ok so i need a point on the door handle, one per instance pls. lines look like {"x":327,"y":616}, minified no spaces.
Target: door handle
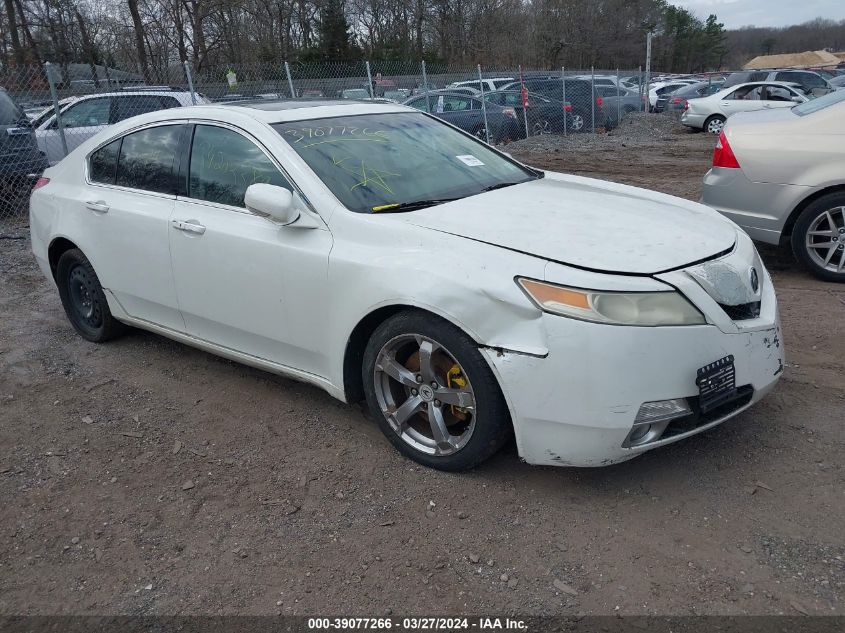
{"x":97,"y":205}
{"x":188,"y":227}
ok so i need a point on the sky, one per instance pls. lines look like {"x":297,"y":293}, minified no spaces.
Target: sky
{"x":737,"y":13}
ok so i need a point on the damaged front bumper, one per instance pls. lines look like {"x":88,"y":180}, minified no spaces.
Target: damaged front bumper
{"x":577,"y":406}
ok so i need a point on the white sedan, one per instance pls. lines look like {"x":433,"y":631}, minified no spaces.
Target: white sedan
{"x":383,"y":255}
{"x":710,"y":113}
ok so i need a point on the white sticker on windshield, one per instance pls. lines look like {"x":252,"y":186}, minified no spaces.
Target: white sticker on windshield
{"x":469,"y":159}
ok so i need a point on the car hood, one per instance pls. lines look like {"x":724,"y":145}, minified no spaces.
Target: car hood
{"x":591,"y":224}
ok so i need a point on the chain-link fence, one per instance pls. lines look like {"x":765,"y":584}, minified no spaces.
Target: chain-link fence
{"x":48,"y":111}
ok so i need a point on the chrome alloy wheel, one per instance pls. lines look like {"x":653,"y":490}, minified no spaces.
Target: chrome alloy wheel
{"x":825,"y":240}
{"x":715,"y":125}
{"x":424,"y":394}
{"x":541,"y":128}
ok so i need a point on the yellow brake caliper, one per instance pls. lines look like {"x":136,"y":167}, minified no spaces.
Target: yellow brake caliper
{"x":455,"y":380}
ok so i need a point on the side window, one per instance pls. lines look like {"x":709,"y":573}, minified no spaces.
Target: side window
{"x":103,"y":163}
{"x":777,"y":93}
{"x":419,"y":104}
{"x":147,"y":157}
{"x":456,"y":104}
{"x":132,"y":105}
{"x":86,"y":113}
{"x":810,"y":80}
{"x":224,"y":163}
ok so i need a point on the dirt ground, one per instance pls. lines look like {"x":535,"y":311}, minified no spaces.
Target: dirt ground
{"x":146,"y":477}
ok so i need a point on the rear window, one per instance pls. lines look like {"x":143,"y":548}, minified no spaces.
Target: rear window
{"x":146,"y":159}
{"x":820,"y":103}
{"x":10,"y":114}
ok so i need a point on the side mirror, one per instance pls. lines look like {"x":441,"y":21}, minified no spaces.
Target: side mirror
{"x":271,"y":201}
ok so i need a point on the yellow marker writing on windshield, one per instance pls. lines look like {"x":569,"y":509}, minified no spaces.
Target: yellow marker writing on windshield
{"x":384,"y":207}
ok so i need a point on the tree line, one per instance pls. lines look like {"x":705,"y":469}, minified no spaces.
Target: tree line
{"x":150,"y":37}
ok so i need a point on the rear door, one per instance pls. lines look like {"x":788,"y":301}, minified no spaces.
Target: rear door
{"x":125,"y":207}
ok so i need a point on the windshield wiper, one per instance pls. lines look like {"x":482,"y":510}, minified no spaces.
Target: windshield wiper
{"x":501,"y":185}
{"x":410,"y":206}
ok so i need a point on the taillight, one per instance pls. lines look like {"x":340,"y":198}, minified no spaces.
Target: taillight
{"x":686,"y":105}
{"x":677,"y":100}
{"x":509,"y":112}
{"x":599,"y":101}
{"x":723,"y":155}
{"x":567,"y":107}
{"x":40,"y":183}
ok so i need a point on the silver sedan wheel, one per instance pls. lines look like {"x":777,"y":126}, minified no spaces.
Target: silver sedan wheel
{"x":424,"y":394}
{"x":542,"y":128}
{"x":825,"y":240}
{"x":715,"y":125}
{"x":577,"y":123}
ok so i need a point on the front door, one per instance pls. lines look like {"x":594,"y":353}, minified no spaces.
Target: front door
{"x":243,"y":281}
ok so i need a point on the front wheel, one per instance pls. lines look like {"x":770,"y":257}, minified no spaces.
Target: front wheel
{"x":577,"y":123}
{"x":818,"y":237}
{"x":432,"y":393}
{"x":714,"y":124}
{"x":83,"y":298}
{"x":541,"y":127}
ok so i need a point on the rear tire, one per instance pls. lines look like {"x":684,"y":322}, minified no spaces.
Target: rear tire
{"x":714,"y":124}
{"x":818,"y":238}
{"x":432,"y":393}
{"x":84,"y":300}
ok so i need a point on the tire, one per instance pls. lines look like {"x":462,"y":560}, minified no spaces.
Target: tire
{"x":714,"y":124}
{"x":411,"y":362}
{"x":83,"y":299}
{"x":577,"y":123}
{"x":820,"y":224}
{"x":481,"y":134}
{"x":541,"y":127}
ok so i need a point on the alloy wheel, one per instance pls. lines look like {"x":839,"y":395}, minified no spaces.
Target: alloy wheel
{"x":577,"y":122}
{"x":825,"y":240}
{"x":715,"y":125}
{"x":541,"y":128}
{"x":424,"y":394}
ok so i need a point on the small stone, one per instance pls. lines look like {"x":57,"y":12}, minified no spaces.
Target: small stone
{"x":562,"y":586}
{"x":512,"y":583}
{"x":75,"y":540}
{"x":504,"y":578}
{"x":462,"y":515}
{"x":188,"y":485}
{"x":87,"y":419}
{"x":177,"y":446}
{"x":746,"y":549}
{"x":338,"y":494}
{"x":490,"y":562}
{"x":278,"y":603}
{"x":473,"y":558}
{"x":149,"y":587}
{"x":429,"y":514}
{"x":113,"y":480}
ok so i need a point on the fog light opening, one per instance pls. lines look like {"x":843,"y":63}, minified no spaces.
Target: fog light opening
{"x":653,"y":418}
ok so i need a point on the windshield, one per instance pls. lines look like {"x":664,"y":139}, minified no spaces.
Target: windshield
{"x":375,"y":162}
{"x":819,"y":103}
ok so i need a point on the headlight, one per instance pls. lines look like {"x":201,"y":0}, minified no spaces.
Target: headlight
{"x":615,"y":308}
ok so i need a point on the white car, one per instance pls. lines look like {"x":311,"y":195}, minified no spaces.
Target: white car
{"x":382,"y":254}
{"x":489,"y":84}
{"x":83,"y":117}
{"x":710,"y":113}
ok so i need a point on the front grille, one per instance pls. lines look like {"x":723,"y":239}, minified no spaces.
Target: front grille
{"x":742,"y":312}
{"x":698,"y":419}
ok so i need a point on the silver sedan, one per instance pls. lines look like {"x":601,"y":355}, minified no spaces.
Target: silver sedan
{"x":780,"y":175}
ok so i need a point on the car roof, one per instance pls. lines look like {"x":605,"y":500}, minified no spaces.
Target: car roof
{"x":133,"y":93}
{"x":280,"y":111}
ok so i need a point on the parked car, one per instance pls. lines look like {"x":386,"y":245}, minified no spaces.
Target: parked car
{"x":617,"y":102}
{"x":465,"y":113}
{"x":710,"y":113}
{"x":810,"y":81}
{"x":476,"y":84}
{"x":542,"y":116}
{"x":664,"y":87}
{"x":837,"y":83}
{"x":780,"y":175}
{"x":577,"y":92}
{"x":19,"y":155}
{"x":355,"y":93}
{"x":466,"y":297}
{"x":676,"y":102}
{"x":84,"y":116}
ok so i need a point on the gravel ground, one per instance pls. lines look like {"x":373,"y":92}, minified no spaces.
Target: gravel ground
{"x":145,"y":477}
